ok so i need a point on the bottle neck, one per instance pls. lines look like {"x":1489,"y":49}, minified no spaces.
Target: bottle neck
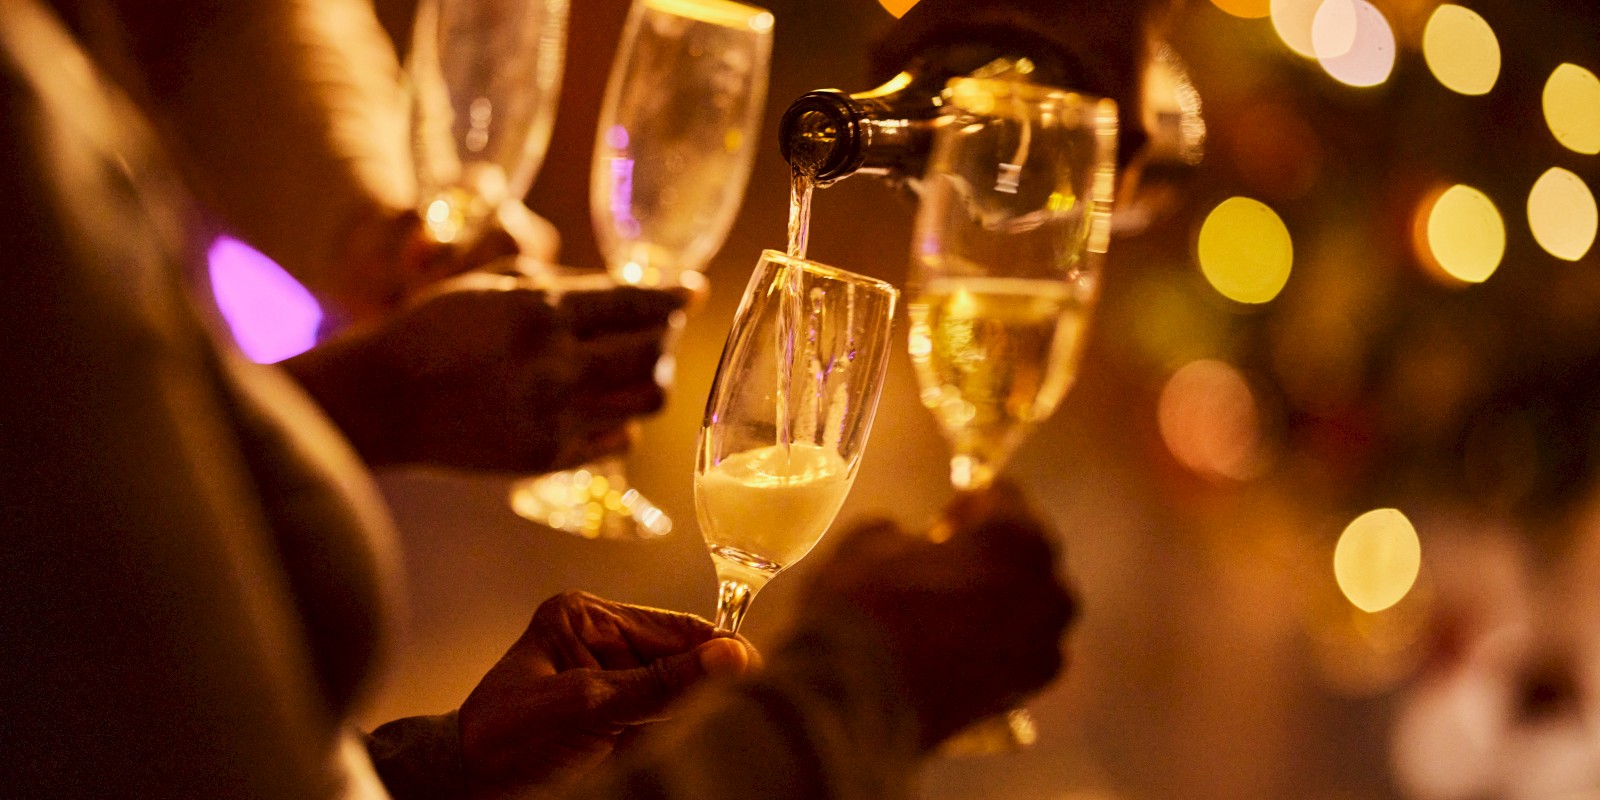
{"x":831,"y":135}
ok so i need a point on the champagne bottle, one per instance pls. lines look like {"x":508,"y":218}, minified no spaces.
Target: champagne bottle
{"x":885,"y":131}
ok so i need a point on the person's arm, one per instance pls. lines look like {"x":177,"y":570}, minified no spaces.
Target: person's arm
{"x":152,"y":641}
{"x":290,"y":123}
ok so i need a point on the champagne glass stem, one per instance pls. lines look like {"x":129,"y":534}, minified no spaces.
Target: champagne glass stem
{"x":733,"y":600}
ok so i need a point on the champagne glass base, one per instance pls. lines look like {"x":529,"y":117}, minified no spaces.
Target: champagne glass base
{"x":1008,"y":732}
{"x":594,"y":503}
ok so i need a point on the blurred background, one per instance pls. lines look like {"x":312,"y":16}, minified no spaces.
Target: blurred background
{"x":1325,"y":478}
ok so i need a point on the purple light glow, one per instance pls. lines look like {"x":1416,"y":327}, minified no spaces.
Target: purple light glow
{"x":271,"y":315}
{"x":621,"y":198}
{"x":617,"y":137}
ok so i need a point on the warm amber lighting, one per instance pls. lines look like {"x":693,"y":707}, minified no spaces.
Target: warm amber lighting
{"x":1245,"y":251}
{"x":1461,"y":50}
{"x":1292,"y":19}
{"x":1353,"y":42}
{"x":1562,"y":214}
{"x":1209,"y":420}
{"x":1572,"y":108}
{"x":1465,"y":234}
{"x":897,"y":7}
{"x":1377,"y":559}
{"x":1248,"y":9}
{"x":444,"y":220}
{"x":726,"y":13}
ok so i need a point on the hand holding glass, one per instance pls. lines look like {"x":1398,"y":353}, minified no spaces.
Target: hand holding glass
{"x":787,"y":419}
{"x":1015,"y":210}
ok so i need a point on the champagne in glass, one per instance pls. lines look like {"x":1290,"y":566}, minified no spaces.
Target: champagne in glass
{"x":787,"y":420}
{"x":672,"y":156}
{"x":485,"y":78}
{"x":1015,"y":211}
{"x":1015,"y":208}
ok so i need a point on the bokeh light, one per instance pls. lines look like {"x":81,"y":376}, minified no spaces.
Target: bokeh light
{"x":1293,"y":19}
{"x":1248,"y":9}
{"x":1461,"y":50}
{"x":1210,"y":421}
{"x":1245,"y":250}
{"x":1353,"y":42}
{"x":1572,"y":108}
{"x":1562,"y":214}
{"x":1333,"y":28}
{"x":1465,"y":235}
{"x":272,"y":316}
{"x":897,"y":7}
{"x":1377,"y":559}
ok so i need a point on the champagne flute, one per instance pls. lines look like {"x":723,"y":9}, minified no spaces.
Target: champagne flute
{"x":1014,"y":212}
{"x":485,"y":78}
{"x":787,"y":419}
{"x":672,"y":155}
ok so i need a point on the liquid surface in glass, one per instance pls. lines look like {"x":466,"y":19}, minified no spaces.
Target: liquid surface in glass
{"x":993,"y":356}
{"x":766,"y":508}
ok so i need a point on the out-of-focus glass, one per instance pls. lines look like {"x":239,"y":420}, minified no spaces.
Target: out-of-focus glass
{"x":1015,"y":209}
{"x":677,"y":135}
{"x":486,"y":75}
{"x":675,"y":143}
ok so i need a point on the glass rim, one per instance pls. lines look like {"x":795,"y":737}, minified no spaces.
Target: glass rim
{"x":819,"y":268}
{"x":726,"y":13}
{"x":1037,"y":93}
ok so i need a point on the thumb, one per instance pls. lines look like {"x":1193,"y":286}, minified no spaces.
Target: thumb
{"x":642,"y":695}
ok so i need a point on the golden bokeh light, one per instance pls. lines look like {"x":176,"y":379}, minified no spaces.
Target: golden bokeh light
{"x":1292,"y":19}
{"x":1377,"y":559}
{"x":1461,"y":50}
{"x":897,"y":7}
{"x":1248,"y":9}
{"x":1353,"y":42}
{"x":1572,"y":108}
{"x":1466,"y":236}
{"x":1333,"y":28}
{"x":1562,"y":214}
{"x":1245,"y":251}
{"x":1209,"y":421}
